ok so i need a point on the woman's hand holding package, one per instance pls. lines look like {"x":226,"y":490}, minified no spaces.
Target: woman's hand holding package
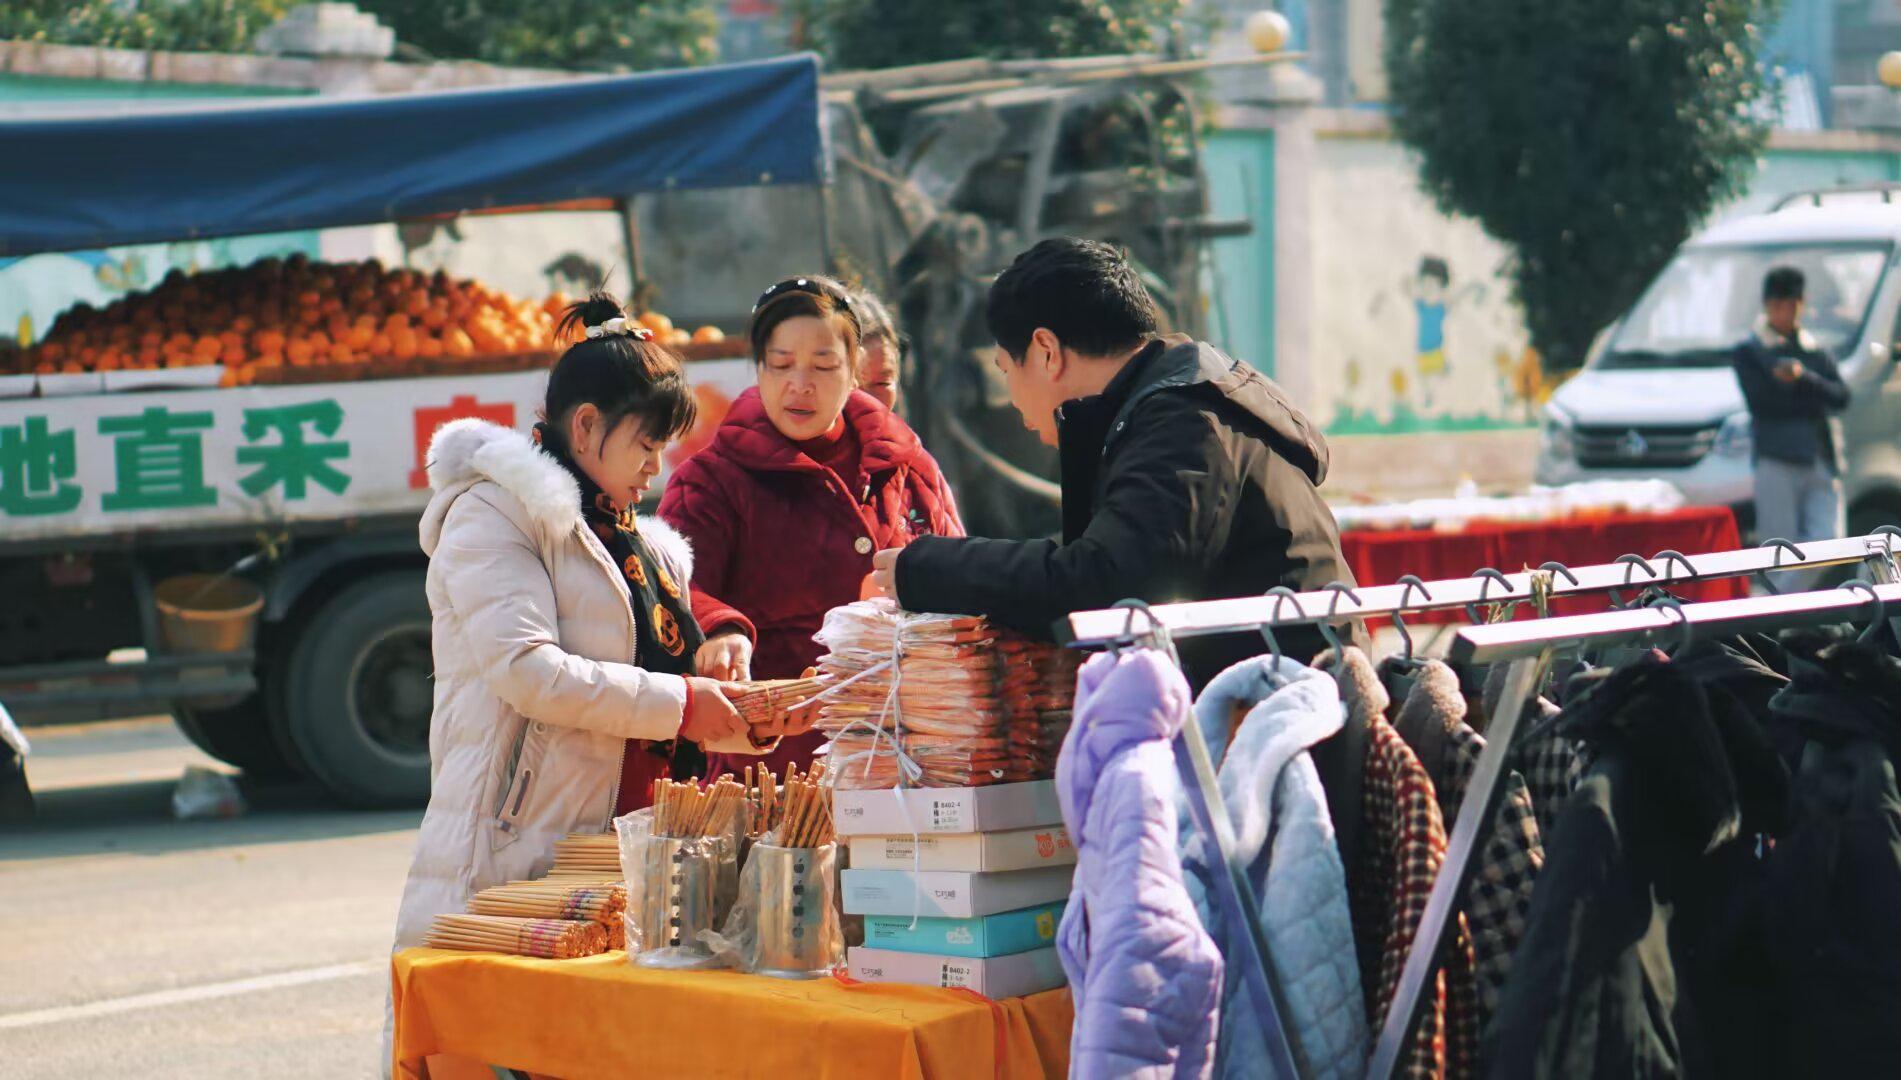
{"x":710,"y":718}
{"x":726,"y":656}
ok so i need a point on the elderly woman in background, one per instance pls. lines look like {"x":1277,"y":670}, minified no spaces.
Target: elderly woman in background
{"x":880,"y":351}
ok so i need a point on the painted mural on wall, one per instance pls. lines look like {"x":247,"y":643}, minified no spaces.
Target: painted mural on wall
{"x":34,"y":289}
{"x":1415,"y":329}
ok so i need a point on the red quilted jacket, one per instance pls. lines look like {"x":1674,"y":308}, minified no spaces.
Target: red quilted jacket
{"x":779,"y":539}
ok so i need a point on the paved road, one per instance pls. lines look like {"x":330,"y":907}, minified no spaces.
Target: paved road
{"x":132,"y":944}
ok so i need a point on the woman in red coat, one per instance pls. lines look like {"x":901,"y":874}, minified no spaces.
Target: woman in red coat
{"x":805,"y":480}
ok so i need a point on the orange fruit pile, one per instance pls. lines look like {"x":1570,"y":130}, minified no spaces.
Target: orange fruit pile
{"x":293,"y":312}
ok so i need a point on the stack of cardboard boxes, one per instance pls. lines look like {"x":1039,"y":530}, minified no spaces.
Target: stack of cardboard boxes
{"x":957,"y":886}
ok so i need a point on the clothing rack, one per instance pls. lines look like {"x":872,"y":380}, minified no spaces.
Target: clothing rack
{"x":1487,"y":586}
{"x":1530,"y":646}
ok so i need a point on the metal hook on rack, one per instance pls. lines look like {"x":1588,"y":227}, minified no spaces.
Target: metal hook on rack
{"x":1668,"y":557}
{"x":1156,"y":634}
{"x":1411,"y":582}
{"x":1338,"y":589}
{"x":1281,"y":595}
{"x":1630,"y":564}
{"x":1486,"y":576}
{"x":1683,"y":621}
{"x":1564,"y":572}
{"x":1780,"y":545}
{"x":1881,"y":608}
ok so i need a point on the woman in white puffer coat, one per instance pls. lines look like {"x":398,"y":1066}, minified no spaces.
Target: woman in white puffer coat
{"x":564,"y":648}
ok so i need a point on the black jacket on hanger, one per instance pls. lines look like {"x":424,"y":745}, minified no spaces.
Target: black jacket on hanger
{"x":1631,"y":963}
{"x":1835,"y":895}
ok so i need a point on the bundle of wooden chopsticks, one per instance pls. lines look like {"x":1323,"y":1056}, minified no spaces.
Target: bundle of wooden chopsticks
{"x":588,"y":853}
{"x":798,"y":812}
{"x":552,"y":900}
{"x":549,"y":939}
{"x":684,"y":811}
{"x":575,"y":911}
{"x":769,"y":701}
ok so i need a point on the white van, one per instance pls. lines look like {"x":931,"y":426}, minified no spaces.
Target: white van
{"x":1658,"y":397}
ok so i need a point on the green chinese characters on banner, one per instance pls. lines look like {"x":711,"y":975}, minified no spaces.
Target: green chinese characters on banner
{"x":35,"y":467}
{"x":293,"y":461}
{"x":159,"y":460}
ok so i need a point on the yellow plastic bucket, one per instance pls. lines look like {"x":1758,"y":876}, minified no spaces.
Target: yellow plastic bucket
{"x":207,"y":613}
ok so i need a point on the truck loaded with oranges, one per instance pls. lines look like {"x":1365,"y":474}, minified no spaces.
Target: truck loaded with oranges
{"x":292,"y":320}
{"x":209,"y":490}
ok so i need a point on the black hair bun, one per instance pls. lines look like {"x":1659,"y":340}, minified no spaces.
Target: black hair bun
{"x":597,"y":308}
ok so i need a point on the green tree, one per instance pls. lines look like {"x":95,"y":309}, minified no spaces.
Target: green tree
{"x":593,"y":35}
{"x":168,"y":25}
{"x":891,"y":33}
{"x":1590,"y":136}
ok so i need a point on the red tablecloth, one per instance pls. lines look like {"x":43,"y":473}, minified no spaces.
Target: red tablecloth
{"x":1381,"y":558}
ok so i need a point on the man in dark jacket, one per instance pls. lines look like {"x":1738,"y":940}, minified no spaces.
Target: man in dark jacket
{"x":1186,"y":475}
{"x":1794,"y":391}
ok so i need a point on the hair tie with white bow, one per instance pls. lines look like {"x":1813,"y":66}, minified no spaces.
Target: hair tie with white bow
{"x":621,"y":325}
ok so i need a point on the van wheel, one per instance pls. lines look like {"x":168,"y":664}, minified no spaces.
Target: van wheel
{"x":361,"y":691}
{"x":237,"y":735}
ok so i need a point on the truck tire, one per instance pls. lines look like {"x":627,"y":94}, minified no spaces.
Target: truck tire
{"x":237,"y":735}
{"x":360,"y":692}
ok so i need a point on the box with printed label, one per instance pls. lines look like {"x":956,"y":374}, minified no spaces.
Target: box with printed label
{"x":1018,"y":849}
{"x":951,"y":894}
{"x":992,"y":935}
{"x":994,"y":977}
{"x":904,"y":811}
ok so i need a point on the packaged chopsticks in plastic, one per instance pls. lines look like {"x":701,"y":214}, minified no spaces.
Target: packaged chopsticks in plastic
{"x":938,"y":700}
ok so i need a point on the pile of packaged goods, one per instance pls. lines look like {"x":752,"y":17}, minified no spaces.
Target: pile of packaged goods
{"x":937,"y":700}
{"x":1039,"y":687}
{"x":957,"y":888}
{"x":267,"y":322}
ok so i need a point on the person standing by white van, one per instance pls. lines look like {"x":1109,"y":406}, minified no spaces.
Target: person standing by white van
{"x":1794,"y":392}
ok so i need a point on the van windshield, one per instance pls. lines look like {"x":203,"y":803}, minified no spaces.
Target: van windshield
{"x":1707,"y":300}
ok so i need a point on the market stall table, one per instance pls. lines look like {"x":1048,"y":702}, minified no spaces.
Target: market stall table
{"x":1383,"y":557}
{"x":603,"y":1017}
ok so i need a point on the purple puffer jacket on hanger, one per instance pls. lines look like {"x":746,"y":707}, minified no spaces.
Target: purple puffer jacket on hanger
{"x":1145,"y":976}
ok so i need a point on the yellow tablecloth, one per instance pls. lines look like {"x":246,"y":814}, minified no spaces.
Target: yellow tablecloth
{"x":603,"y":1017}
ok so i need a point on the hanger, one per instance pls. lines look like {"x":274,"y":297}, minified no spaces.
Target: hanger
{"x":1630,"y":563}
{"x":1338,"y":589}
{"x":1411,"y":582}
{"x":1868,"y":632}
{"x":1281,"y":595}
{"x":1685,"y":635}
{"x":1780,"y":545}
{"x":1487,"y":576}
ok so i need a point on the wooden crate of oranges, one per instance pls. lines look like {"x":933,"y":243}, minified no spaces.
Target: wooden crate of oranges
{"x":297,"y":321}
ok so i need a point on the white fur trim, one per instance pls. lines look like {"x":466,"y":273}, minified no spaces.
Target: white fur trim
{"x":467,"y":449}
{"x":668,"y":544}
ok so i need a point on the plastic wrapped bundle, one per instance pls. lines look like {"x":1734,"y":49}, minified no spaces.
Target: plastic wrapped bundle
{"x":911,"y":699}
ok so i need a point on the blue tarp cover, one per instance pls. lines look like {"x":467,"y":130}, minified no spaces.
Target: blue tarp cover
{"x":90,"y":182}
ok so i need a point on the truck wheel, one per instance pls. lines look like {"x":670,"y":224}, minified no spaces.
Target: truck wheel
{"x":360,"y":692}
{"x":238,"y":735}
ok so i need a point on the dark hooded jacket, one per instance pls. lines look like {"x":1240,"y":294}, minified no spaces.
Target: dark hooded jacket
{"x":1190,"y":477}
{"x":1835,"y":881}
{"x":1644,"y":953}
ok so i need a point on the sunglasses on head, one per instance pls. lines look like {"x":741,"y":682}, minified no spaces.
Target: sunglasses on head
{"x":812,"y":286}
